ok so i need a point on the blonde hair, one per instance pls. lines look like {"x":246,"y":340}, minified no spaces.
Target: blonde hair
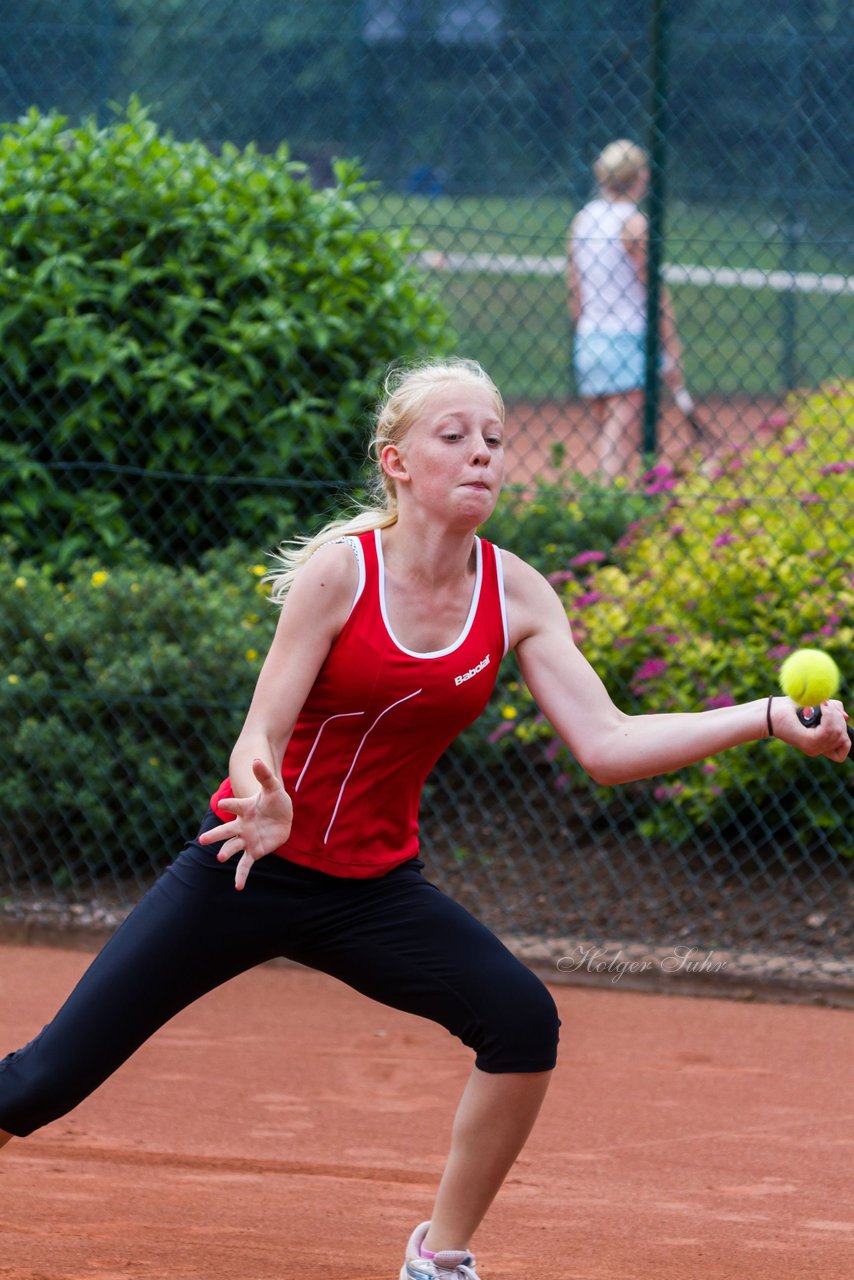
{"x":406,"y":390}
{"x":619,"y":166}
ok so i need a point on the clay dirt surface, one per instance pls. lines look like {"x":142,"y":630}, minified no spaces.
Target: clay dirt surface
{"x":285,"y":1128}
{"x":730,"y":424}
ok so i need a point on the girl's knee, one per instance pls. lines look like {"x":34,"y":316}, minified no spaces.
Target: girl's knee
{"x":524,"y":1035}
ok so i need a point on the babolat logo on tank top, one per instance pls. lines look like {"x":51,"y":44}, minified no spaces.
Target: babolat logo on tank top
{"x":472,"y":671}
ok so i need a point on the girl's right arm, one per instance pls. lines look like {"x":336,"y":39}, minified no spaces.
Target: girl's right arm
{"x":314,"y":611}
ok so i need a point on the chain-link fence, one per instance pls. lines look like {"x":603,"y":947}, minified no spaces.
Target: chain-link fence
{"x":192,"y":334}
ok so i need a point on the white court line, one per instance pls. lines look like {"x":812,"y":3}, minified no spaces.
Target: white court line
{"x":530,"y":264}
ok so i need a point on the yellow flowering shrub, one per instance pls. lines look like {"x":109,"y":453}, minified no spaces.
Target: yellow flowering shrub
{"x":121,"y":694}
{"x":704,"y":600}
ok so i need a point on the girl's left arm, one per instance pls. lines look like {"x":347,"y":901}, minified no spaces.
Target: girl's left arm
{"x":614,"y":747}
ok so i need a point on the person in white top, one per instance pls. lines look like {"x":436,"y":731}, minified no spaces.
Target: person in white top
{"x":607,"y":255}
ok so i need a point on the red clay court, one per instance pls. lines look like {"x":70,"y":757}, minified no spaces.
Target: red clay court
{"x":533,"y":428}
{"x":285,"y":1128}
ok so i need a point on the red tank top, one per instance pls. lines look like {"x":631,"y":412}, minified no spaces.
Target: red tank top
{"x":377,"y":719}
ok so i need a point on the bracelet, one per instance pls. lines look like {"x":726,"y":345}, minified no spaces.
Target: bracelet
{"x":768,"y":717}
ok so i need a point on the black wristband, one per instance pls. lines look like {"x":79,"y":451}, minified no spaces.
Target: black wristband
{"x":768,"y":717}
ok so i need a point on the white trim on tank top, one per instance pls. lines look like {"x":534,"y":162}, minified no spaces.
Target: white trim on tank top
{"x":467,"y":626}
{"x":356,"y":547}
{"x":499,"y":568}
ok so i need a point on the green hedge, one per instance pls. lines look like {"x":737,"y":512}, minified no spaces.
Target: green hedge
{"x":170,"y":317}
{"x":570,"y":515}
{"x":704,"y":601}
{"x":122,"y":693}
{"x":123,"y":687}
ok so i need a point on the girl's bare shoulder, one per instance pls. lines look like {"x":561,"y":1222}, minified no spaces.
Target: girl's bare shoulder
{"x":328,"y":580}
{"x":531,"y":599}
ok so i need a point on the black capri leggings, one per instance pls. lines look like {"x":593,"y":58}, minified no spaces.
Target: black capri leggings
{"x":397,"y":939}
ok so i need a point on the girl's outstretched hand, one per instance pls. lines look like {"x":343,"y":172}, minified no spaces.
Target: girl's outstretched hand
{"x":261,"y":823}
{"x":830,"y":737}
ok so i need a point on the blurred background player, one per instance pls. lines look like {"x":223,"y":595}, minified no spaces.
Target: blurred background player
{"x":607,"y":254}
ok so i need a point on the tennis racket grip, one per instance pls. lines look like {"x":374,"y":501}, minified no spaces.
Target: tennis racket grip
{"x":810,"y":718}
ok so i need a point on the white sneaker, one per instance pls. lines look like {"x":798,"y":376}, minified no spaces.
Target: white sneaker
{"x":447,"y":1264}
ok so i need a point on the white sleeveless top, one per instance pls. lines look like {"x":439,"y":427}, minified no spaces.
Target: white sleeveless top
{"x":613,"y":299}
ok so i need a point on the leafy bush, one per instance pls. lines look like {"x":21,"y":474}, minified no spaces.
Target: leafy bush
{"x":706,"y":599}
{"x":122,"y":692}
{"x":184,"y":332}
{"x":571,"y":515}
{"x":123,"y":688}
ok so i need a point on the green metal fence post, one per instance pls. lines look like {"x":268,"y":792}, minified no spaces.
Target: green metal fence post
{"x":657,"y":148}
{"x":792,"y":153}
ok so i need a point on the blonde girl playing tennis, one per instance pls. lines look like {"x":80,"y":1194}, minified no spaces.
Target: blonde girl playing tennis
{"x":393,"y":625}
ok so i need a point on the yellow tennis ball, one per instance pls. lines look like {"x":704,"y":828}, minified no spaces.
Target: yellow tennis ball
{"x":809,"y":676}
